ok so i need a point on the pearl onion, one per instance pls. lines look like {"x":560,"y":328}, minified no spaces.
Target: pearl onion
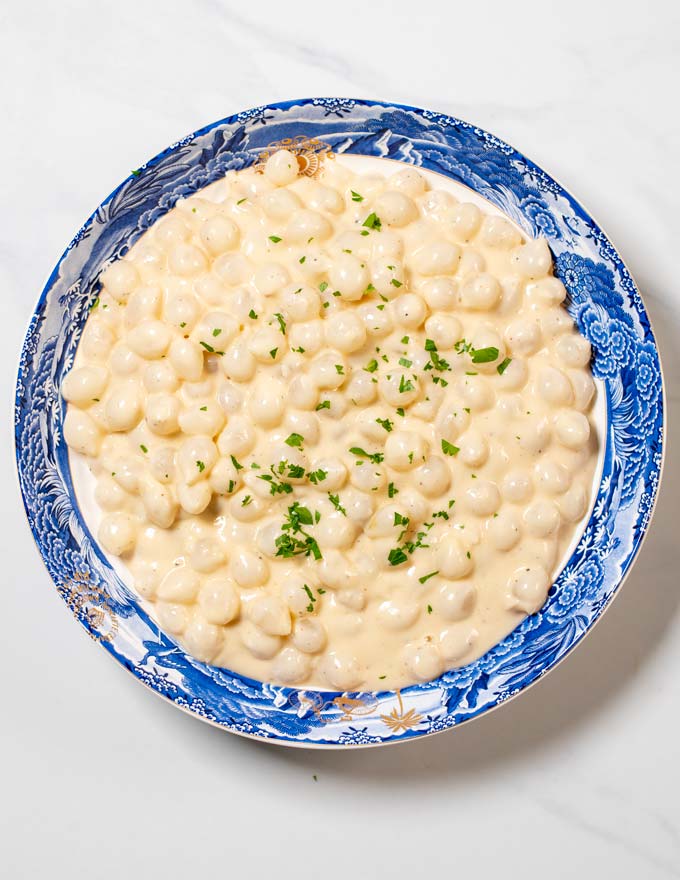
{"x":547,"y":292}
{"x":399,"y":389}
{"x":517,"y":486}
{"x":160,"y":377}
{"x":342,"y":671}
{"x":305,"y":224}
{"x":532,"y":259}
{"x":464,"y":219}
{"x":329,"y":371}
{"x":542,"y":518}
{"x":281,"y":168}
{"x":572,"y":429}
{"x":349,"y":275}
{"x":504,"y":530}
{"x":471,"y":263}
{"x":335,"y":530}
{"x":202,"y":639}
{"x":456,"y":601}
{"x":443,"y":330}
{"x":290,"y":666}
{"x":270,"y":614}
{"x":409,"y":181}
{"x":554,"y":387}
{"x":172,"y":618}
{"x":397,"y":614}
{"x":483,"y":498}
{"x":233,"y":269}
{"x":161,"y":412}
{"x":270,"y":278}
{"x":179,"y":585}
{"x":150,"y":339}
{"x":308,"y":336}
{"x":302,"y":392}
{"x":259,"y":643}
{"x":476,"y":392}
{"x":301,"y":303}
{"x":529,"y":588}
{"x":555,"y":321}
{"x":345,"y":331}
{"x":218,"y":600}
{"x":553,"y":477}
{"x":336,"y":473}
{"x":378,"y":322}
{"x":454,"y":645}
{"x":82,"y":385}
{"x":453,"y":561}
{"x":223,"y":477}
{"x":186,"y":357}
{"x":207,"y":556}
{"x":266,"y":403}
{"x":473,"y":448}
{"x":481,"y":292}
{"x":123,"y":407}
{"x":573,"y":504}
{"x":422,"y":660}
{"x":409,"y":310}
{"x":207,"y":419}
{"x":436,"y":258}
{"x":123,"y":360}
{"x":117,"y":533}
{"x":523,"y":337}
{"x":171,"y":229}
{"x":108,"y":494}
{"x":359,"y":505}
{"x":266,"y":345}
{"x":395,"y":208}
{"x":535,"y":435}
{"x":573,"y":350}
{"x":186,"y":260}
{"x":194,"y":499}
{"x":433,"y":477}
{"x":439,"y":293}
{"x":120,"y":279}
{"x":162,"y":462}
{"x":238,"y":363}
{"x":97,"y":339}
{"x":498,"y":232}
{"x":404,"y":450}
{"x":309,"y":635}
{"x":219,"y":234}
{"x":515,"y":376}
{"x":361,"y":389}
{"x":249,"y":570}
{"x":583,"y":387}
{"x":238,"y":437}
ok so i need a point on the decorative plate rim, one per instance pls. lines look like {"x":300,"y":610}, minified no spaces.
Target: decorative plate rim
{"x":598,"y":295}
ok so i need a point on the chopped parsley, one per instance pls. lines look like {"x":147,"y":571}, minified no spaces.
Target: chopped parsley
{"x":241,"y":201}
{"x":272,"y":353}
{"x":294,"y":540}
{"x":325,"y":404}
{"x":429,"y":609}
{"x":252,"y":314}
{"x":217,"y":331}
{"x":302,"y":259}
{"x":339,"y":369}
{"x":386,"y":424}
{"x":426,"y":577}
{"x":237,"y":464}
{"x":405,"y":362}
{"x":405,"y":340}
{"x":143,"y":448}
{"x":295,"y":440}
{"x":323,"y":286}
{"x":356,"y":197}
{"x":396,"y":556}
{"x":201,"y":466}
{"x":392,"y":490}
{"x":317,"y":476}
{"x":335,"y":501}
{"x":449,"y":448}
{"x":246,"y":501}
{"x":503,"y":366}
{"x":396,"y":283}
{"x":371,"y":366}
{"x":374,"y":457}
{"x":274,"y":238}
{"x":405,"y":385}
{"x":372,"y":222}
{"x":282,"y":323}
{"x":484,"y":355}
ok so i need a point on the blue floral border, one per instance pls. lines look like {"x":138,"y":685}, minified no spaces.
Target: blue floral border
{"x":604,"y":302}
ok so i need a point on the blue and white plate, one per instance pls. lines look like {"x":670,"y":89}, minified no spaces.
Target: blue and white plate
{"x":603,"y":300}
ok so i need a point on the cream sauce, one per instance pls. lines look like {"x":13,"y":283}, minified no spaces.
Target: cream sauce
{"x":378,"y":366}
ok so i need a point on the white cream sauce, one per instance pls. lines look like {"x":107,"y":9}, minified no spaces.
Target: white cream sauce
{"x":377,"y":365}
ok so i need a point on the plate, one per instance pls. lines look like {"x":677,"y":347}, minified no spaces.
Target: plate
{"x":602,"y":299}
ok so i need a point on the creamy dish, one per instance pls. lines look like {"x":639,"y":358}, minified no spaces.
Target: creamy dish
{"x":341,"y":428}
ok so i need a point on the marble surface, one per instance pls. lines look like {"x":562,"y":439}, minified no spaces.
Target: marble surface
{"x":576,"y":778}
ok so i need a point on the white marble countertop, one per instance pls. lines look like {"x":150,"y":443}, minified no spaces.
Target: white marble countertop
{"x":576,"y":778}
